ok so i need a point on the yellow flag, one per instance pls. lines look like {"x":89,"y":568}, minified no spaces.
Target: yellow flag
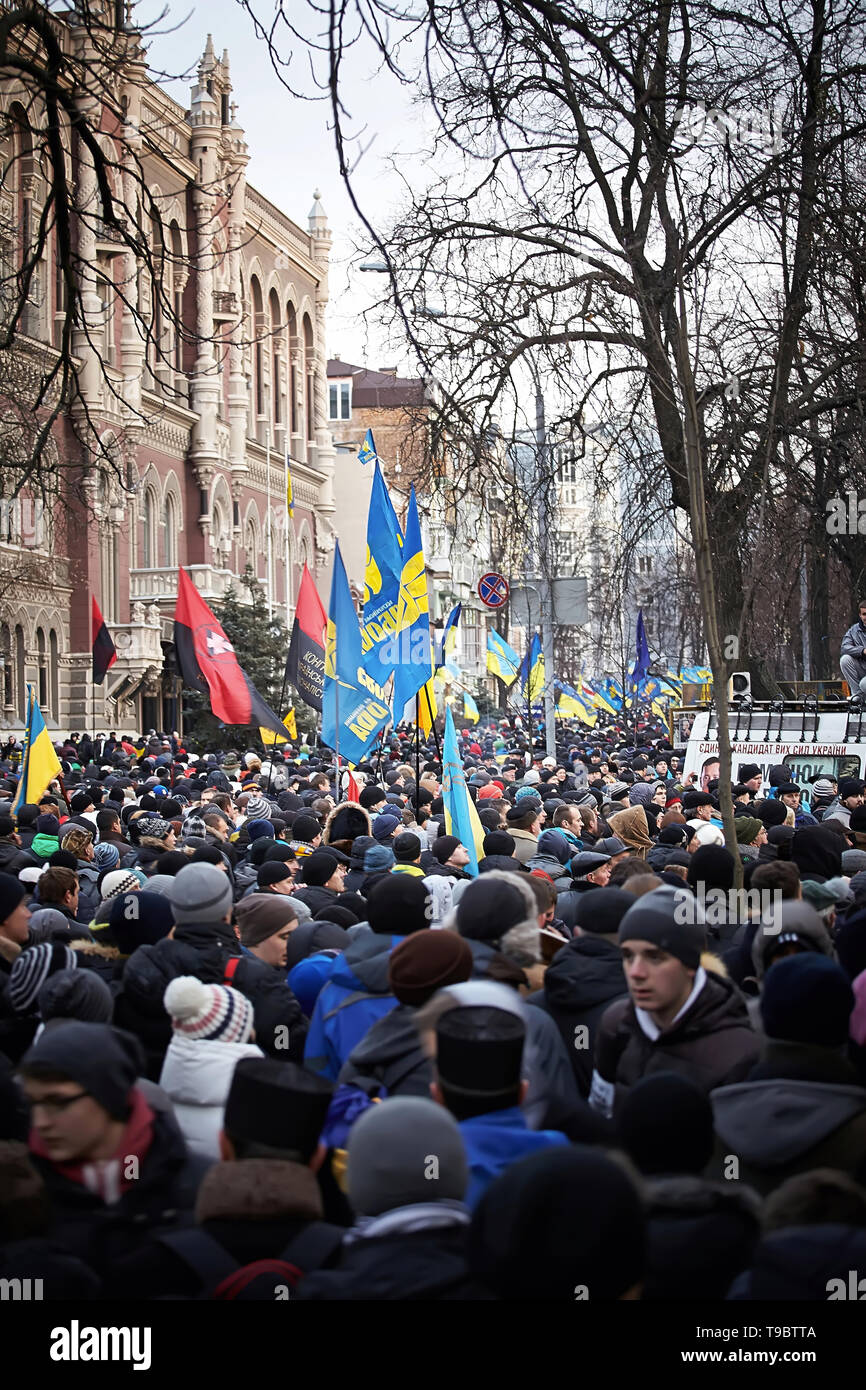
{"x":270,"y":737}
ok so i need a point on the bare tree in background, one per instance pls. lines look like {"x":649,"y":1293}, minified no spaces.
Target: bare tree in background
{"x":74,"y":176}
{"x":592,"y":167}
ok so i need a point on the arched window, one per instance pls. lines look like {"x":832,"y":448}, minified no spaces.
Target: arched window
{"x":251,"y":550}
{"x":174,"y":293}
{"x":258,"y":328}
{"x":8,"y":670}
{"x":277,"y":414}
{"x":54,"y":668}
{"x":42,"y":667}
{"x":220,"y":535}
{"x":20,"y":684}
{"x":170,"y":531}
{"x":148,"y":530}
{"x":309,"y":379}
{"x":292,"y":333}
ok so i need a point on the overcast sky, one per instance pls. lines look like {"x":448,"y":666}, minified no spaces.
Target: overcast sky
{"x":291,"y":148}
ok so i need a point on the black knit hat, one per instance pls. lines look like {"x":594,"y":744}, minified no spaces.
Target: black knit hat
{"x":665,"y":917}
{"x":684,"y":1142}
{"x":76,"y":994}
{"x":279,"y":1104}
{"x":11,"y":893}
{"x":105,"y":1061}
{"x":444,"y":847}
{"x":488,"y":908}
{"x":563,"y":1219}
{"x":398,"y":905}
{"x":601,"y":910}
{"x":499,"y":842}
{"x":318,"y":867}
{"x":273,"y":871}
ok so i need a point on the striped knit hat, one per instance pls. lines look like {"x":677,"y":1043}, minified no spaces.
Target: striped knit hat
{"x":118,"y":881}
{"x":33,"y":967}
{"x":215,"y":1012}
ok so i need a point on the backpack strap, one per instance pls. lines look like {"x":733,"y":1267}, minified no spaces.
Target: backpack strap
{"x":354,"y":999}
{"x":313,"y":1246}
{"x":231,"y":969}
{"x":201,"y":1253}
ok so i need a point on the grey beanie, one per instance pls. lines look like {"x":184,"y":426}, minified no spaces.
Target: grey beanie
{"x":391,"y":1151}
{"x":200,"y":893}
{"x":80,"y":994}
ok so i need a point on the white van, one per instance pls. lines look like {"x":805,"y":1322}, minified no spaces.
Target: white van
{"x":813,"y":738}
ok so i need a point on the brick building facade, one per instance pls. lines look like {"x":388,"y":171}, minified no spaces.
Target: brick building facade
{"x":198,"y":429}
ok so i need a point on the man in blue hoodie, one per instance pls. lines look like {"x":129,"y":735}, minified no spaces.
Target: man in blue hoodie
{"x":358,"y":993}
{"x":479,"y":1061}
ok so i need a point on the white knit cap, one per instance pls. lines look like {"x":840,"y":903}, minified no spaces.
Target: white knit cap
{"x":215,"y":1012}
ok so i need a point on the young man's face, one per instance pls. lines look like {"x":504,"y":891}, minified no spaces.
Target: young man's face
{"x":862,"y":612}
{"x":71,"y":1124}
{"x":657,"y":981}
{"x":273,"y":950}
{"x":459,"y":857}
{"x":70,"y":899}
{"x":852,"y":802}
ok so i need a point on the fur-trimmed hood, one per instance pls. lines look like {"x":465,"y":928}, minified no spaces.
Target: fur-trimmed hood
{"x":94,"y":948}
{"x":258,"y":1189}
{"x":346,"y":822}
{"x":521,"y":942}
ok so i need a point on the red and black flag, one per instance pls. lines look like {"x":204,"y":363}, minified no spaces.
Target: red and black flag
{"x":207,"y":662}
{"x":104,"y":650}
{"x":305,"y":667}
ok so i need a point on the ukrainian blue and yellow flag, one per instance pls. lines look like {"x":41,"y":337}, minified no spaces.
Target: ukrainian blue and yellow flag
{"x":354,"y":709}
{"x":593,"y":696}
{"x":367,"y":452}
{"x":449,"y":639}
{"x":381,"y":583}
{"x":533,"y":685}
{"x":502,"y":660}
{"x":470,"y":709}
{"x":39,"y":763}
{"x":413,"y":667}
{"x":572,"y":705}
{"x":461,"y":817}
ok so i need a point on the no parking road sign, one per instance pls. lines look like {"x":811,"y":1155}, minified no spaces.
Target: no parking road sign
{"x":493,"y":589}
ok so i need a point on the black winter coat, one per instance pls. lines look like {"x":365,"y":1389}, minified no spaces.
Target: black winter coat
{"x":204,"y":950}
{"x":429,"y":1265}
{"x":163,"y":1196}
{"x":712,"y":1044}
{"x":581,"y":980}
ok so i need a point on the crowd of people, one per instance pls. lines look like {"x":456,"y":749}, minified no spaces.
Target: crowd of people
{"x":259,"y":1040}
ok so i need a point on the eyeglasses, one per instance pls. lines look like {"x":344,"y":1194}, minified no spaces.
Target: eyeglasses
{"x":55,"y":1105}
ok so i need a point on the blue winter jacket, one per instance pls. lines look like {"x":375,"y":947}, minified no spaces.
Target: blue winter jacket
{"x":496,"y":1140}
{"x":356,"y":995}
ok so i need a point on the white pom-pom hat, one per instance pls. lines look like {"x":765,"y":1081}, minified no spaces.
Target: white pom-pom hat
{"x":216,"y":1013}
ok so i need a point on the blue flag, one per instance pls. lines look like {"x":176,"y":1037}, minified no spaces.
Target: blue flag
{"x":353,"y":708}
{"x":381,"y":583}
{"x":461,"y":817}
{"x":643,"y":661}
{"x":367,"y":452}
{"x":413,"y":666}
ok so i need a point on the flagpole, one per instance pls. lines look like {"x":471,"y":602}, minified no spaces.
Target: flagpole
{"x":337,"y":735}
{"x":417,"y":749}
{"x":288,"y":524}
